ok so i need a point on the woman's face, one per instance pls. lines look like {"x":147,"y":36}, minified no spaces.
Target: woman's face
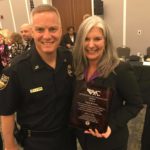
{"x":94,"y":45}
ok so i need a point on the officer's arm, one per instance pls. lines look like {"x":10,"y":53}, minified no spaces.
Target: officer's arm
{"x":8,"y":123}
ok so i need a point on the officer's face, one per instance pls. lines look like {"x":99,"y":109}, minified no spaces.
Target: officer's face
{"x":47,"y":32}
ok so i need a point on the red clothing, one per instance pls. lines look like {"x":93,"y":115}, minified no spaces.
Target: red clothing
{"x":4,"y":54}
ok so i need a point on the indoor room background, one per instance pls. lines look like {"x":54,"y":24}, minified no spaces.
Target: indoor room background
{"x":128,"y":19}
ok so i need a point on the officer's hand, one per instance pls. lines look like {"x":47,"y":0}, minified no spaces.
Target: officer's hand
{"x":16,"y":147}
{"x":97,"y":134}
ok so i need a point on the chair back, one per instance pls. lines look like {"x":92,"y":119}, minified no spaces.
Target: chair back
{"x":134,"y":58}
{"x":148,"y":51}
{"x":123,"y":52}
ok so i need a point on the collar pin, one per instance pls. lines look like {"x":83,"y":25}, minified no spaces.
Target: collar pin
{"x":36,"y":67}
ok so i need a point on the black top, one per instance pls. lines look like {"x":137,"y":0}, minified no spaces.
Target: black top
{"x":125,"y":104}
{"x":67,"y":40}
{"x":39,"y":94}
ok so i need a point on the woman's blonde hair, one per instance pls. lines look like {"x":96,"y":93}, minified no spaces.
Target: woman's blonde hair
{"x":16,"y":37}
{"x":109,"y":59}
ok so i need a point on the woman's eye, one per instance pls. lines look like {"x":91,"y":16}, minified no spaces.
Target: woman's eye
{"x":99,"y":38}
{"x":94,"y":39}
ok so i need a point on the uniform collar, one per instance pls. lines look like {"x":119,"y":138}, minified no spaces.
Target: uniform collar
{"x":36,"y":60}
{"x":38,"y":63}
{"x":61,"y":59}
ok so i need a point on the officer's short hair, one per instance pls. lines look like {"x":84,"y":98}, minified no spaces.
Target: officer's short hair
{"x":45,"y":8}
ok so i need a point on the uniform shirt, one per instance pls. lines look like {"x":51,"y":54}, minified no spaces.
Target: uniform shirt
{"x":39,"y":94}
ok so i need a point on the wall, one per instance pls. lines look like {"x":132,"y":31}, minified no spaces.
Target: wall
{"x":137,"y":19}
{"x":113,"y":16}
{"x":72,"y":13}
{"x":19,"y":12}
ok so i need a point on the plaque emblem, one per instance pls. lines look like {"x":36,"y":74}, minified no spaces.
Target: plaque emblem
{"x":90,"y":107}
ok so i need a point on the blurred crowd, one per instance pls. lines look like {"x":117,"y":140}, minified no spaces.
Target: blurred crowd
{"x":14,"y":43}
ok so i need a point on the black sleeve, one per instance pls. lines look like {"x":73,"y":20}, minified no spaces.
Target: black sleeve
{"x":9,"y":92}
{"x":128,"y":88}
{"x":64,"y":40}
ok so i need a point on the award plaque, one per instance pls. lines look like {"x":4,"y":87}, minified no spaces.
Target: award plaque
{"x":90,"y":108}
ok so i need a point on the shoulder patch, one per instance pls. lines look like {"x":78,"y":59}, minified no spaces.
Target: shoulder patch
{"x":3,"y":81}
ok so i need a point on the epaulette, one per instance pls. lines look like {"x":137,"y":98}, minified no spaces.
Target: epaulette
{"x":65,"y":53}
{"x":67,"y":56}
{"x":63,"y":49}
{"x":20,"y":58}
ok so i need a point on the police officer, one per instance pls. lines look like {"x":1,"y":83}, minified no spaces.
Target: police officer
{"x":38,"y":86}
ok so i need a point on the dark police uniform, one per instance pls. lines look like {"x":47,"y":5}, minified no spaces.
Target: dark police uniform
{"x":41,"y":96}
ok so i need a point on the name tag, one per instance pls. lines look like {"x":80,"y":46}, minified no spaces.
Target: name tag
{"x":38,"y":89}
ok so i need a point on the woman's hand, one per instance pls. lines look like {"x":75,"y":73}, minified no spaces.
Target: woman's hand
{"x":97,"y":134}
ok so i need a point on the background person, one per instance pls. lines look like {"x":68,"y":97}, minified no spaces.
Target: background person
{"x":26,"y":33}
{"x":4,"y":52}
{"x":17,"y":46}
{"x":1,"y":66}
{"x":97,"y":65}
{"x":69,"y":38}
{"x":86,"y":16}
{"x":31,"y":88}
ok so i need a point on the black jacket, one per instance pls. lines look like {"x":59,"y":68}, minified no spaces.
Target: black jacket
{"x":125,"y":104}
{"x":67,"y":40}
